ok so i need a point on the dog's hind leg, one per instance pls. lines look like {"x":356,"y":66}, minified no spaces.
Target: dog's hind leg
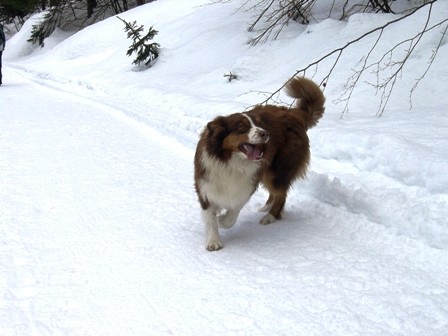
{"x":228,"y":220}
{"x":268,"y":205}
{"x":213,"y":240}
{"x":275,"y":212}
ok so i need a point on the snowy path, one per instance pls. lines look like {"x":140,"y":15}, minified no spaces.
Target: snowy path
{"x":100,"y":234}
{"x":84,"y":193}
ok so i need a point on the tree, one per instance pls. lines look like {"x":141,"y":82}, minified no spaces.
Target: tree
{"x":64,"y":14}
{"x":275,"y":14}
{"x":75,"y":15}
{"x":10,"y":9}
{"x":146,"y":52}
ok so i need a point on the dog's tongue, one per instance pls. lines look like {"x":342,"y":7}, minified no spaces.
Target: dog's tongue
{"x":252,"y":152}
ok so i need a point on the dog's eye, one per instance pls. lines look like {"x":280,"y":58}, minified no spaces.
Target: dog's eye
{"x":242,"y":128}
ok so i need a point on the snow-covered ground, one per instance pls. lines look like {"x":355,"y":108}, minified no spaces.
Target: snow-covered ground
{"x":100,"y":229}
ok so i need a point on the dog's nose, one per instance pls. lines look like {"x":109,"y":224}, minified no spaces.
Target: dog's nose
{"x":264,"y":135}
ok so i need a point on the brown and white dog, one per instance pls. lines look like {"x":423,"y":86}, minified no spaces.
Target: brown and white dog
{"x":267,"y":144}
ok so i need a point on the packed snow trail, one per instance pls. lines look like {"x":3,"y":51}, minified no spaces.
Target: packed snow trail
{"x":100,"y":234}
{"x":83,"y":193}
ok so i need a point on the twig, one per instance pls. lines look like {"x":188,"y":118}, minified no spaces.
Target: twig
{"x":390,"y":81}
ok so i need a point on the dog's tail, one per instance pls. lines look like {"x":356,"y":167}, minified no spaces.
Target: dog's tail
{"x":310,"y":99}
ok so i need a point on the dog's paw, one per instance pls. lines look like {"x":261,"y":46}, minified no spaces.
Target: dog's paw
{"x":214,"y":245}
{"x":226,"y":221}
{"x":225,"y":224}
{"x":268,"y":219}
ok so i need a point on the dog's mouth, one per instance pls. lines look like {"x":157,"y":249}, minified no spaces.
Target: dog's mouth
{"x":253,"y":152}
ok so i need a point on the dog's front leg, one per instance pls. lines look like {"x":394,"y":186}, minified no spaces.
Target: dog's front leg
{"x":228,"y":220}
{"x":213,"y":241}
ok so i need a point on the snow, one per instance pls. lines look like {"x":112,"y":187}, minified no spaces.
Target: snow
{"x":100,"y":228}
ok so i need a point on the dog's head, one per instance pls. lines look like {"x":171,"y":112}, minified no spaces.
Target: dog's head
{"x":236,"y":133}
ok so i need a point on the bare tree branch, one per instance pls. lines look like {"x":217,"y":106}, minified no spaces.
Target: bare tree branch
{"x":431,"y":60}
{"x":385,"y":62}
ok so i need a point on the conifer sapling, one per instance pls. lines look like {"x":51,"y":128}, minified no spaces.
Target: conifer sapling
{"x":146,"y":52}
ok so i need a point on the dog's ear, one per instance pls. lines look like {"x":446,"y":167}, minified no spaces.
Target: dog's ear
{"x":217,"y":131}
{"x":217,"y":127}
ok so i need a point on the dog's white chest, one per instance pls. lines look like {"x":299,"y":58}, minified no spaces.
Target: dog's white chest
{"x":229,"y":185}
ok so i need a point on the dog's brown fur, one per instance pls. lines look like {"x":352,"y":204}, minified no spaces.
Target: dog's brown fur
{"x":285,"y":155}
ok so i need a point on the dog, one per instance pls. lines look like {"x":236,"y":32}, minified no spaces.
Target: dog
{"x":267,"y":145}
